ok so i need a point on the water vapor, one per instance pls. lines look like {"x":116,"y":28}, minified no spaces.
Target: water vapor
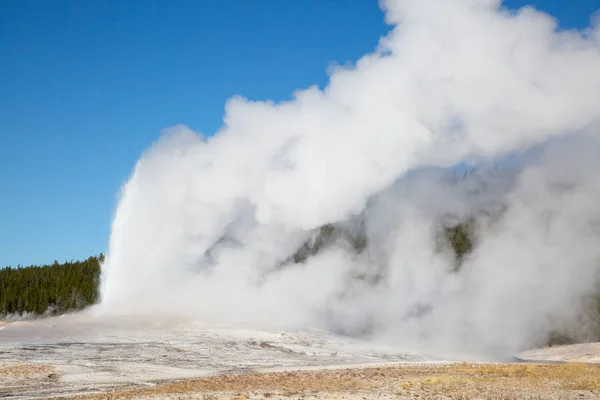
{"x":213,"y":226}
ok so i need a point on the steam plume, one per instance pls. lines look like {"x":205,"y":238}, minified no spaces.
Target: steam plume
{"x":208,"y":226}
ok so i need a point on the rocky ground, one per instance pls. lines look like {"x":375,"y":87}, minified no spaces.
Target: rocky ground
{"x":81,"y":357}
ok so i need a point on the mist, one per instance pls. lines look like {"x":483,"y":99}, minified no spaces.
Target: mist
{"x":207,"y":226}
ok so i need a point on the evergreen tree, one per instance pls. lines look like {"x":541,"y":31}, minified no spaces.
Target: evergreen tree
{"x":55,"y":288}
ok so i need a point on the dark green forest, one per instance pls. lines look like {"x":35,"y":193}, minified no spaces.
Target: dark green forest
{"x":49,"y":289}
{"x":55,"y":289}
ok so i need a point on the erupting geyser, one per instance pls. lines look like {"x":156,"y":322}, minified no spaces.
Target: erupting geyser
{"x":225,"y":227}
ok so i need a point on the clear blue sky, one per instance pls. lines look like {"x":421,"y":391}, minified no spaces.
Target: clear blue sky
{"x":86,"y":86}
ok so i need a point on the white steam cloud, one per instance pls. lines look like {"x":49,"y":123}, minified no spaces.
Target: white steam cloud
{"x":207,"y":226}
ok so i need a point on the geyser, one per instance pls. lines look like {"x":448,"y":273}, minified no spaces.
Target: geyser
{"x":211,"y":227}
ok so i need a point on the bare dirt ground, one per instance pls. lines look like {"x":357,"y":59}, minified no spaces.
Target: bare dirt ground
{"x":82,"y":357}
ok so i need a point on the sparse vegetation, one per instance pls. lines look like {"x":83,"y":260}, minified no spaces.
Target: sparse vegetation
{"x":461,"y":239}
{"x":454,"y":381}
{"x":328,"y":235}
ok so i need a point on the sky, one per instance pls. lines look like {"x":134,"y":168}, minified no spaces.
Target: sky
{"x":86,"y":86}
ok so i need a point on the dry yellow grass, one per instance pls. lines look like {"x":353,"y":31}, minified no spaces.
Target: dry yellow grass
{"x":456,"y":381}
{"x":512,"y":379}
{"x":24,"y":370}
{"x":571,"y":375}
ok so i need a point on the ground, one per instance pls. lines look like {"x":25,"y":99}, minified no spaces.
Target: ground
{"x":81,"y":357}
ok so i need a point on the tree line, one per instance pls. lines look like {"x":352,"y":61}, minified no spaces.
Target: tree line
{"x":49,"y":289}
{"x":55,"y":289}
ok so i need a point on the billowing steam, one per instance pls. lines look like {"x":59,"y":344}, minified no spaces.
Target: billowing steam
{"x":325,"y":211}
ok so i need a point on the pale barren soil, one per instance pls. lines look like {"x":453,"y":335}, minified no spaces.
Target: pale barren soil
{"x":76,"y":357}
